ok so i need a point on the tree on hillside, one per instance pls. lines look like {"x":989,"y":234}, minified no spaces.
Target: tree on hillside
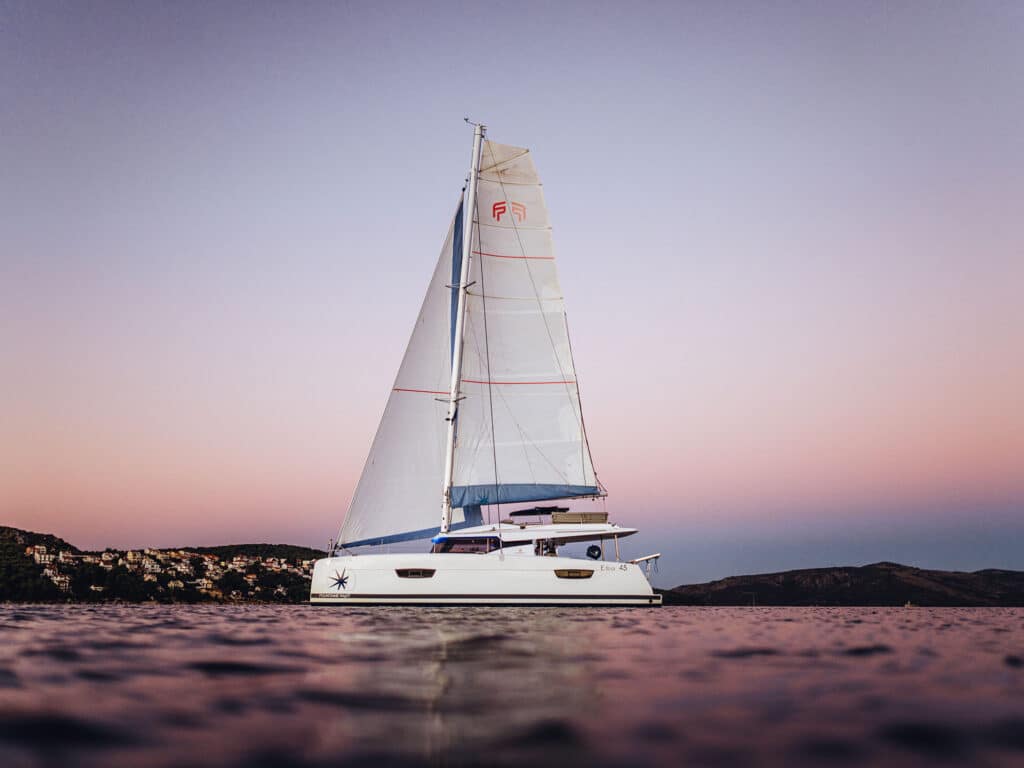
{"x":21,"y":579}
{"x":128,"y":585}
{"x":232,"y":580}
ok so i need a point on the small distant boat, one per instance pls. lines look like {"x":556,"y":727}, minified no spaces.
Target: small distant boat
{"x":484,"y":414}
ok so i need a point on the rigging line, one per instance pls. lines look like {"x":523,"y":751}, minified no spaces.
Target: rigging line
{"x":536,"y":293}
{"x":515,"y":298}
{"x":583,"y":427}
{"x":554,"y":349}
{"x":498,"y":168}
{"x":525,"y":442}
{"x":471,"y":447}
{"x":502,"y":256}
{"x":472,"y":337}
{"x":506,"y":161}
{"x":487,"y":357}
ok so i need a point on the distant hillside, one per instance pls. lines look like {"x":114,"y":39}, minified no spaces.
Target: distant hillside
{"x":286,"y":551}
{"x":879,"y":584}
{"x":252,"y":572}
{"x":20,"y":577}
{"x":21,"y":538}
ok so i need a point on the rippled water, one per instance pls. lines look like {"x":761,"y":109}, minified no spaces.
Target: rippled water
{"x":299,"y":686}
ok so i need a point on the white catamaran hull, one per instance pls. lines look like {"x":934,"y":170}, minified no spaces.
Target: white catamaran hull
{"x":461,"y":579}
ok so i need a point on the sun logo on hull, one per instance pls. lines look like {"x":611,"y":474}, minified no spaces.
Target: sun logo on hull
{"x":340,"y":580}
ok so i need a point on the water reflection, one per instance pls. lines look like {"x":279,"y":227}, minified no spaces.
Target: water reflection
{"x":303,"y":686}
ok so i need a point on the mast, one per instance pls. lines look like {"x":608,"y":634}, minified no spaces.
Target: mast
{"x":460,"y":322}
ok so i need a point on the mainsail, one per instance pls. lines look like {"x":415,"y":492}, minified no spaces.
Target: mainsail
{"x":520,"y":434}
{"x":519,"y":427}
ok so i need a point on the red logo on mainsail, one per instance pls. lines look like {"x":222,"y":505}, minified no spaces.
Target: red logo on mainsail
{"x":500,"y":208}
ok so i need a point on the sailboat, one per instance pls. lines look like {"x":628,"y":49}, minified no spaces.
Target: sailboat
{"x":485,"y":414}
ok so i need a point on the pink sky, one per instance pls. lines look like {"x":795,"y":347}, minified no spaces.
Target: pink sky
{"x":790,"y":243}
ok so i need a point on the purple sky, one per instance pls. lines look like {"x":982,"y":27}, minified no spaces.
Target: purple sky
{"x":790,"y":239}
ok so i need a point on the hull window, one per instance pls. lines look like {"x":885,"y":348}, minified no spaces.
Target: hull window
{"x":415,"y":573}
{"x":473,"y":546}
{"x":573,"y":573}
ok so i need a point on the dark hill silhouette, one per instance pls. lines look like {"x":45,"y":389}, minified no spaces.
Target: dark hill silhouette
{"x":881,"y":584}
{"x":19,"y":538}
{"x":22,"y":579}
{"x":286,"y":551}
{"x":878,"y":584}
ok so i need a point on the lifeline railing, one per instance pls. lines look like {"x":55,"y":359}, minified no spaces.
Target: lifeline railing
{"x":648,"y":562}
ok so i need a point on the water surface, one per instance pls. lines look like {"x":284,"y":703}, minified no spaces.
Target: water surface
{"x":312,"y":686}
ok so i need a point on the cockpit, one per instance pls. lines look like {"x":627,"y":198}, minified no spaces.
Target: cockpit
{"x":477,"y":545}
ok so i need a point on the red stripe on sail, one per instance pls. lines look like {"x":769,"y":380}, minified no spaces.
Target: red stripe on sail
{"x":501,"y":256}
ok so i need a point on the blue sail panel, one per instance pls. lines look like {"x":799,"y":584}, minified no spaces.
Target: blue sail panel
{"x":513,"y":493}
{"x":456,"y":278}
{"x":473,"y":515}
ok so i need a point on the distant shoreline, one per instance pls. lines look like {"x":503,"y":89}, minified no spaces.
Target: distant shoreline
{"x":878,"y":585}
{"x":42,"y":568}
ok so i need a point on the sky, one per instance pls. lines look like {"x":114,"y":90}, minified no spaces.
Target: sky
{"x":789,"y":236}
